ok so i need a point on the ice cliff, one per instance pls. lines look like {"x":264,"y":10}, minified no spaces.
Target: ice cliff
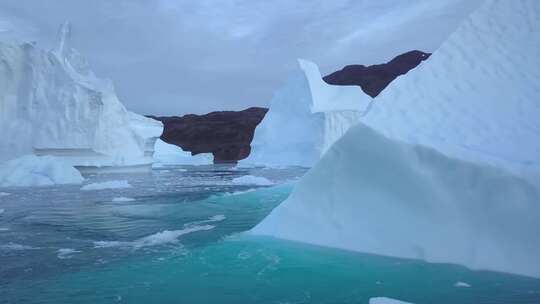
{"x":306,"y":116}
{"x":51,"y":103}
{"x":443,"y":167}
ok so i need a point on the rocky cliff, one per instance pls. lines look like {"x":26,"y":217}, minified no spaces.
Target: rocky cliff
{"x":225,"y":134}
{"x":374,"y":78}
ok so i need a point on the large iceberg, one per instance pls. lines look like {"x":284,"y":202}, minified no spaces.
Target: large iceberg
{"x":306,"y":117}
{"x":52,"y":104}
{"x":446,"y":169}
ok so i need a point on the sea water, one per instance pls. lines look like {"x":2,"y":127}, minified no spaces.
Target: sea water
{"x":177,"y":236}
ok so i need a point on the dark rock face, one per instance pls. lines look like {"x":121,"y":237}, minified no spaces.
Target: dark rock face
{"x":225,"y":134}
{"x":374,"y":78}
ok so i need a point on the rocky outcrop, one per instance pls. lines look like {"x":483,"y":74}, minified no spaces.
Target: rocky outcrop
{"x":225,"y":134}
{"x":374,"y":78}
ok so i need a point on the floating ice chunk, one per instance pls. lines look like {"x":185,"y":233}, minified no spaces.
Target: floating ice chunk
{"x":159,"y":238}
{"x":252,"y":180}
{"x":117,"y":184}
{"x":1,"y":211}
{"x":4,"y":194}
{"x":462,"y":284}
{"x":31,"y":170}
{"x":123,"y":199}
{"x":383,"y":300}
{"x":66,"y":253}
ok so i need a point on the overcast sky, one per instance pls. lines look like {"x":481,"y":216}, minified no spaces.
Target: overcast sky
{"x":171,"y":57}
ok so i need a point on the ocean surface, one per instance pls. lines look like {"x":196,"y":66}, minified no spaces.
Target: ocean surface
{"x":177,"y":235}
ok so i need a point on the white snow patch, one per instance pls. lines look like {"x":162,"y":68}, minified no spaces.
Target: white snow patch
{"x":31,"y":170}
{"x":462,"y":284}
{"x":383,"y":300}
{"x":159,"y":238}
{"x":123,"y":199}
{"x":252,"y":180}
{"x":116,"y":184}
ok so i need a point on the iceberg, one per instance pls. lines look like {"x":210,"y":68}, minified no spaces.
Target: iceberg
{"x":51,"y":103}
{"x":31,"y":170}
{"x":306,"y":117}
{"x":476,"y":98}
{"x":166,"y":154}
{"x":443,"y":166}
{"x":373,"y":194}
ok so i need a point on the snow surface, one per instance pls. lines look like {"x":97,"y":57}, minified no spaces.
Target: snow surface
{"x":252,"y":180}
{"x":116,"y":184}
{"x":306,"y":117}
{"x":167,"y":154}
{"x":477,"y":97}
{"x":51,"y":103}
{"x":31,"y":170}
{"x":383,"y":300}
{"x":389,"y":191}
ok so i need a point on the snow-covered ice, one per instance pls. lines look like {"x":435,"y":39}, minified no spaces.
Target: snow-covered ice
{"x":115,"y":184}
{"x":51,"y":103}
{"x":31,"y":170}
{"x":381,"y":196}
{"x":167,"y":154}
{"x":252,"y":180}
{"x":476,"y":97}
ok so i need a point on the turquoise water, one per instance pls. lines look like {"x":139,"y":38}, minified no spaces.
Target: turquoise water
{"x":182,"y":240}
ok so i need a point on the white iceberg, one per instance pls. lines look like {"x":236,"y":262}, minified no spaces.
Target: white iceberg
{"x":476,"y":101}
{"x":377,"y":195}
{"x":306,"y":117}
{"x":477,"y":97}
{"x":52,"y":104}
{"x":31,"y":170}
{"x":167,"y":154}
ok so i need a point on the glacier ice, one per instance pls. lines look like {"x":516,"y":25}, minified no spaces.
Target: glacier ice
{"x":378,"y":195}
{"x":477,"y":97}
{"x":445,"y":171}
{"x":168,"y":154}
{"x":51,"y":103}
{"x":31,"y":170}
{"x":306,"y":117}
